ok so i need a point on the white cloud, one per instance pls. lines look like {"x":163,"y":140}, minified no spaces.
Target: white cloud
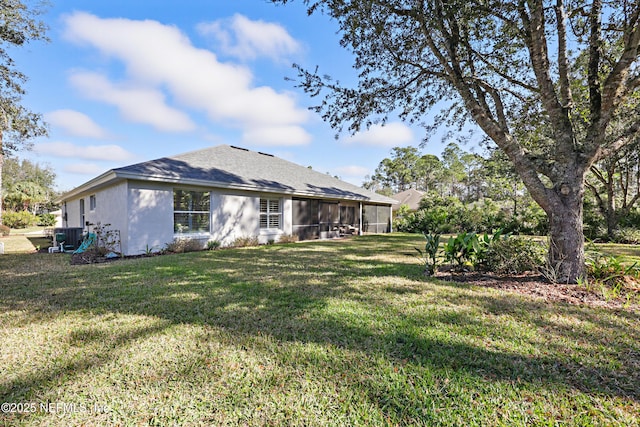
{"x":91,"y":152}
{"x":247,"y":40}
{"x":76,"y":123}
{"x":84,"y":169}
{"x":136,"y":104}
{"x":160,"y":58}
{"x":389,"y":135}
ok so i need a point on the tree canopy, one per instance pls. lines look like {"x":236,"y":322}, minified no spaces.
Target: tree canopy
{"x":27,"y":185}
{"x":546,"y":80}
{"x":19,"y":25}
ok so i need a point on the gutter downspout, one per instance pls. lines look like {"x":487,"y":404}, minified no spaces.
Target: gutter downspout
{"x":360,"y":227}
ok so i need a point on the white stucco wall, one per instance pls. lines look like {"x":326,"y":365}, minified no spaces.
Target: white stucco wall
{"x":150,"y":223}
{"x":287,"y":215}
{"x":110,"y":208}
{"x":234,"y":216}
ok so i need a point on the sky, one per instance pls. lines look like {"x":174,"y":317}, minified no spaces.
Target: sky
{"x":122,"y":82}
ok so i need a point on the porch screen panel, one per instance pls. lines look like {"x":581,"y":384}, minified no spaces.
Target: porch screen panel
{"x":369,"y":218}
{"x":348,"y":215}
{"x":384,"y":219}
{"x":329,"y":216}
{"x":305,"y":218}
{"x":376,"y":219}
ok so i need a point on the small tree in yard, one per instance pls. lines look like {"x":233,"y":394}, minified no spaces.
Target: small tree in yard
{"x":546,"y":80}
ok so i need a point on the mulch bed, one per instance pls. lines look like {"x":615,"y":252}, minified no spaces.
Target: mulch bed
{"x":534,"y":284}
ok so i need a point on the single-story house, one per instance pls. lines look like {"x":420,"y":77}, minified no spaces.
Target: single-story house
{"x":410,"y":197}
{"x":221,"y":194}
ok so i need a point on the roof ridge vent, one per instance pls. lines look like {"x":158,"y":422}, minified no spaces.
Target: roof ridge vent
{"x":265,"y":154}
{"x":238,"y":148}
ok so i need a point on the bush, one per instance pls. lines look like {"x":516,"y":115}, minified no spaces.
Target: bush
{"x":611,"y":274}
{"x":514,"y":255}
{"x":21,"y":219}
{"x":179,"y":246}
{"x":212,"y":245}
{"x":242,"y":242}
{"x":627,"y":235}
{"x":288,"y":238}
{"x":4,"y":230}
{"x":47,"y":220}
{"x":443,"y":215}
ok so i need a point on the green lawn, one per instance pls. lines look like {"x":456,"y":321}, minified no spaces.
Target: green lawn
{"x":24,"y":240}
{"x":322,"y":333}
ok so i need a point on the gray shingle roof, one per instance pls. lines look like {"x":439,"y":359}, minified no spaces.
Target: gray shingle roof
{"x":232,"y":167}
{"x":410,"y":197}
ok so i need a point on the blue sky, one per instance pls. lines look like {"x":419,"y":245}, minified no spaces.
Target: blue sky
{"x":122,"y":82}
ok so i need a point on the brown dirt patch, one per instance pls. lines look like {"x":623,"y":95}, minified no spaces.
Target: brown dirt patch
{"x":534,"y":284}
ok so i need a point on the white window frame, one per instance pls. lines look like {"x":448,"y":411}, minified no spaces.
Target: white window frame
{"x":92,"y":202}
{"x":270,"y":212}
{"x":191,"y":232}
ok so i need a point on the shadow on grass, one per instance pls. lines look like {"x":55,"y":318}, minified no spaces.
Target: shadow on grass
{"x":40,"y":243}
{"x":284,"y":292}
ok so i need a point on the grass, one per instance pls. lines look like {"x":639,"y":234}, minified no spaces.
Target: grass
{"x":321,"y":333}
{"x":25,"y":240}
{"x":628,"y":253}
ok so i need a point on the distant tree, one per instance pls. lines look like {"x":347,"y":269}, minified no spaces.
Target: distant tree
{"x":27,"y":185}
{"x":510,"y":66}
{"x":615,"y":185}
{"x":429,"y":173}
{"x":502,"y":180}
{"x":454,"y":168}
{"x":18,"y":125}
{"x":397,"y":173}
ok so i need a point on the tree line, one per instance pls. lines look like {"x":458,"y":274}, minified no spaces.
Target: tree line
{"x":466,"y":191}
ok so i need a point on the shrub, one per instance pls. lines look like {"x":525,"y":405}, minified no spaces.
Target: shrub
{"x":21,"y":219}
{"x":242,"y":242}
{"x":627,"y":235}
{"x":611,"y":274}
{"x":288,"y":238}
{"x":514,"y":255}
{"x":429,"y":256}
{"x":4,"y":230}
{"x":46,"y":220}
{"x":179,"y":246}
{"x":461,"y":249}
{"x":212,"y":245}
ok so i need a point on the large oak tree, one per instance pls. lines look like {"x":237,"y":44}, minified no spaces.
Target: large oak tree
{"x":18,"y":125}
{"x":512,"y":67}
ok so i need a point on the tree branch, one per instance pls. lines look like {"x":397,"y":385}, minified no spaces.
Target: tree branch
{"x":563,"y":61}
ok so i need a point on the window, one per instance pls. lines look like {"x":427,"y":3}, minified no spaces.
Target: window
{"x":191,"y":213}
{"x":92,"y":202}
{"x":270,"y":213}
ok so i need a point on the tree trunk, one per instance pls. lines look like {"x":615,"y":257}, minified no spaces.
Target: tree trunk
{"x":612,"y":224}
{"x":566,"y":262}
